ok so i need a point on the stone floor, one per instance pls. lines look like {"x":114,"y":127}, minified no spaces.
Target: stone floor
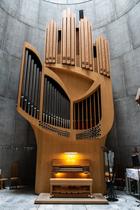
{"x":24,"y":200}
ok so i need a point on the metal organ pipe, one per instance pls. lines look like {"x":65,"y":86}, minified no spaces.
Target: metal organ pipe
{"x":30,"y":85}
{"x":46,"y":99}
{"x":33,"y":89}
{"x":51,"y":107}
{"x":87,"y":113}
{"x":27,"y":84}
{"x":64,"y":112}
{"x":24,"y":79}
{"x":60,"y":107}
{"x":44,"y":102}
{"x":30,"y":96}
{"x":56,"y":105}
{"x":38,"y":91}
{"x":48,"y":95}
{"x":58,"y":113}
{"x":52,"y":113}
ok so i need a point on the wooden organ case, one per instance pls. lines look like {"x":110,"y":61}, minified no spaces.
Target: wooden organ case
{"x":68,"y":102}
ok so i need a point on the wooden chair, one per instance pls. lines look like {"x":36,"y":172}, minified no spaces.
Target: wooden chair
{"x":2,"y":181}
{"x":15,"y":177}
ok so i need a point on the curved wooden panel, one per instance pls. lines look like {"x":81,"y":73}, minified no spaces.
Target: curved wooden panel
{"x":71,"y":80}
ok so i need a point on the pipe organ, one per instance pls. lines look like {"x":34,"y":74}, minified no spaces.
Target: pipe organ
{"x":68,"y":102}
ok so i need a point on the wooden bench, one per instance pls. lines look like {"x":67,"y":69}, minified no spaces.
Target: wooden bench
{"x":2,"y":182}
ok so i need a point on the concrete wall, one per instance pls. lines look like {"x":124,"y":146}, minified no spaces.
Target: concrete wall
{"x":26,"y":20}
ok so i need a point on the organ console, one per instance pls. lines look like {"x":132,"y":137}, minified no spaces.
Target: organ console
{"x":68,"y":102}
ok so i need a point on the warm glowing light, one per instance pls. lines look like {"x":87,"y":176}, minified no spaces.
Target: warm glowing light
{"x":59,"y":174}
{"x":70,"y":156}
{"x":84,"y":175}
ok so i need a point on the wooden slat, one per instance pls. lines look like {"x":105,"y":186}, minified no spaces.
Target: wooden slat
{"x":48,"y":43}
{"x":51,"y":42}
{"x":64,"y":38}
{"x":108,"y":58}
{"x":80,"y":47}
{"x":46,"y":46}
{"x":76,"y":42}
{"x":68,"y":36}
{"x":103,"y":55}
{"x":90,"y":47}
{"x":54,"y":42}
{"x":103,"y":61}
{"x":99,"y":51}
{"x":73,"y":43}
{"x":86,"y":43}
{"x":98,"y":58}
{"x":82,"y":44}
{"x":106,"y":62}
{"x":100,"y":55}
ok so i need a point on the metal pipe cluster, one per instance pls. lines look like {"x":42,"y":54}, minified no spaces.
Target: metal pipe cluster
{"x":30,"y":98}
{"x":87,"y":113}
{"x":56,"y":106}
{"x":94,"y":132}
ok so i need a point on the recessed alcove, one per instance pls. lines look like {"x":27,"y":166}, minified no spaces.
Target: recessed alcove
{"x":26,"y":20}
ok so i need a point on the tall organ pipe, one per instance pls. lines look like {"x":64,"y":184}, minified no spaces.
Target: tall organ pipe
{"x":56,"y":105}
